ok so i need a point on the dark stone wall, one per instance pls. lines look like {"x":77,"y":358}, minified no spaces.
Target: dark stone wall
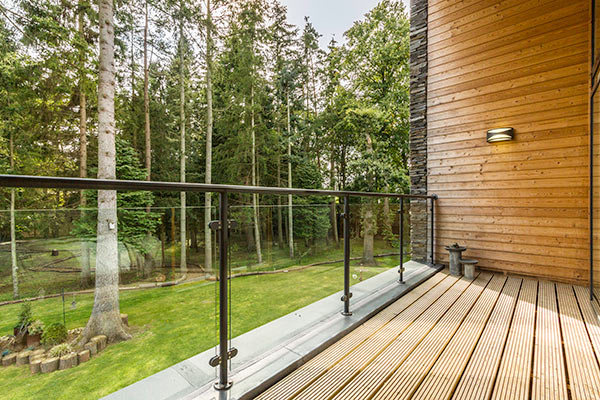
{"x":418,"y":127}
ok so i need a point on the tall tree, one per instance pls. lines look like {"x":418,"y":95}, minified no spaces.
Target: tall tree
{"x":290,"y":184}
{"x":147,"y":135}
{"x":183,"y":212}
{"x":209,"y":134}
{"x":106,"y":318}
{"x":13,"y":234}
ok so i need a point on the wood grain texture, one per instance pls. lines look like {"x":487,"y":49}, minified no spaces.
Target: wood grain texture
{"x":495,"y":337}
{"x":518,"y":206}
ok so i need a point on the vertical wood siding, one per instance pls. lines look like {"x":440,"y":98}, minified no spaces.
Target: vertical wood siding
{"x":519,"y":206}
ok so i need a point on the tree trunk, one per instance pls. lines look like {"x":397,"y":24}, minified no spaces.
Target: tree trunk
{"x":387,"y":216}
{"x":368,"y":235}
{"x":106,"y":318}
{"x":148,"y":264}
{"x":369,"y":221}
{"x":254,"y":195}
{"x":148,"y":142}
{"x":163,"y":241}
{"x":334,"y":227}
{"x":279,"y":214}
{"x":290,"y":207}
{"x":193,"y":237}
{"x":182,"y":221}
{"x":209,"y":131}
{"x":86,"y":274}
{"x":13,"y":235}
{"x":133,"y":127}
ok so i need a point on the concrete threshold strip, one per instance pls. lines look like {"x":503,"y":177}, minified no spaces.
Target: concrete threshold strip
{"x":270,"y":352}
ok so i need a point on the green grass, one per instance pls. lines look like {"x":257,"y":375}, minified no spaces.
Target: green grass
{"x":169,"y":325}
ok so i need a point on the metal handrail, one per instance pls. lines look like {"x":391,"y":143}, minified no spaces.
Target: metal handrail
{"x":222,"y":225}
{"x":50,"y":182}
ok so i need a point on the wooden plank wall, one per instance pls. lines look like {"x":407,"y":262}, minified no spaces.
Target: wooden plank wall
{"x":519,"y":206}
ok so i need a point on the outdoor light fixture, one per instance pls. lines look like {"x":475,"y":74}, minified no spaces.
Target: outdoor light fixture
{"x":500,"y":135}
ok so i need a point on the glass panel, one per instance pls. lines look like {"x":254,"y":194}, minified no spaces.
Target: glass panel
{"x":170,"y":312}
{"x":374,"y":236}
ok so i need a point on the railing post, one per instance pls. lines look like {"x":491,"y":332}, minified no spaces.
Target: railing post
{"x":401,"y":266}
{"x":223,"y":383}
{"x":432,"y":237}
{"x":347,"y":295}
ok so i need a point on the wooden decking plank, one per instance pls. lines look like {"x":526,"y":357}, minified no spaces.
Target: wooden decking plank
{"x":370,"y":377}
{"x":590,"y":317}
{"x":582,"y":367}
{"x":460,"y":320}
{"x":478,"y":377}
{"x":314,"y":368}
{"x":335,"y":377}
{"x":442,"y":379}
{"x":513,"y":381}
{"x":549,"y":375}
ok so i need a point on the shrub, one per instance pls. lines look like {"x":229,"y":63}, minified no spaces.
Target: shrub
{"x":36,"y":328}
{"x":25,"y":317}
{"x":60,"y":350}
{"x":54,"y":334}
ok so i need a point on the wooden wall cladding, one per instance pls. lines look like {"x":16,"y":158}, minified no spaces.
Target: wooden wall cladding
{"x":519,"y":206}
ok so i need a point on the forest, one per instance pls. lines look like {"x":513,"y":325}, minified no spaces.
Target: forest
{"x":206,"y":91}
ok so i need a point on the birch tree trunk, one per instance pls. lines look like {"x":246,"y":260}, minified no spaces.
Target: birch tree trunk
{"x":289,"y":157}
{"x":13,"y":235}
{"x":147,"y":138}
{"x":106,"y":318}
{"x":254,"y":195}
{"x":209,"y":130}
{"x":86,"y":275}
{"x":183,"y":211}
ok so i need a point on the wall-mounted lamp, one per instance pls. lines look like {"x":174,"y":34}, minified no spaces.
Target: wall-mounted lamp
{"x":500,"y":135}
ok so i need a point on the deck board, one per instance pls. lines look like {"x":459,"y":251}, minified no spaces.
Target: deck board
{"x":582,"y":367}
{"x":515,"y":369}
{"x":495,"y":337}
{"x":549,"y":379}
{"x":477,"y":381}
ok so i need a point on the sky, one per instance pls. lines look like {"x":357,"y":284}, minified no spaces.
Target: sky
{"x":330,"y":16}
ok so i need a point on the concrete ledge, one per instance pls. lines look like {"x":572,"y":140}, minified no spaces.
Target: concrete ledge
{"x":270,"y":352}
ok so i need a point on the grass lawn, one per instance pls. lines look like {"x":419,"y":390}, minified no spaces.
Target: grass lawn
{"x":169,"y":326}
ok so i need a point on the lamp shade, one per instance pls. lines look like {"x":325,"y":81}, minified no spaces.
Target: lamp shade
{"x":500,"y":135}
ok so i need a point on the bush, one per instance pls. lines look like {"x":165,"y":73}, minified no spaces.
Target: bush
{"x":36,"y":328}
{"x":25,"y":318}
{"x":60,"y":350}
{"x":54,"y":334}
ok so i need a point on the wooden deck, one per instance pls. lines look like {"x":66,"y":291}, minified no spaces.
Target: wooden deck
{"x":495,"y":337}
